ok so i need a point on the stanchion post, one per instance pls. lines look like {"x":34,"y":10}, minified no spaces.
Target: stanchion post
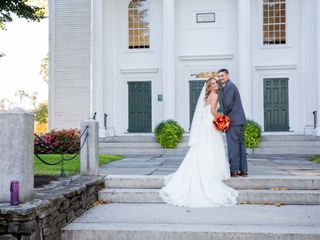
{"x":16,"y":153}
{"x":89,"y":154}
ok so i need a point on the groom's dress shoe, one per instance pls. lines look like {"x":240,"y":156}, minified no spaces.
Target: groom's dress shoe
{"x":243,"y":174}
{"x":232,"y":174}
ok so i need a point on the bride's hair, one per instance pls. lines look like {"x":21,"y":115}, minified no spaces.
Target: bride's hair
{"x":208,"y":83}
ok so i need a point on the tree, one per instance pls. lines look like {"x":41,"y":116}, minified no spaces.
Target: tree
{"x":44,"y":68}
{"x":31,"y":10}
{"x":5,"y":104}
{"x":43,"y":4}
{"x":32,"y":97}
{"x":41,"y":113}
{"x":22,"y":8}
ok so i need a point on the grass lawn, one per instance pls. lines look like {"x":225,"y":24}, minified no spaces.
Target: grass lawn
{"x":70,"y":167}
{"x":315,"y":158}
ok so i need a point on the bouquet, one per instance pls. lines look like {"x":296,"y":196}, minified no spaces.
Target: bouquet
{"x":221,"y":122}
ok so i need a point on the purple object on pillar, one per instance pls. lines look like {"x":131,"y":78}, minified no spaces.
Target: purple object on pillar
{"x":14,"y":189}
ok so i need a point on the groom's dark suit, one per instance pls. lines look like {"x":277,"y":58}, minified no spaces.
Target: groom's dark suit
{"x":232,"y":107}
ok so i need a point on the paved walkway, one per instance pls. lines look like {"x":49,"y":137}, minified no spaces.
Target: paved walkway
{"x":288,"y":165}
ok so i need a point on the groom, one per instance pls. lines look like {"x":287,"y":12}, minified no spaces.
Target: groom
{"x":232,"y":107}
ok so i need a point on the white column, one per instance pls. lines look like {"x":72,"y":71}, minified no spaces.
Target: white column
{"x":97,"y":62}
{"x":168,"y":64}
{"x":244,"y":56}
{"x":109,"y":66}
{"x":308,"y":59}
{"x":318,"y":65}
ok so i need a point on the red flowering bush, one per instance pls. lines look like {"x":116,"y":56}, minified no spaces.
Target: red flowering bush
{"x":59,"y":140}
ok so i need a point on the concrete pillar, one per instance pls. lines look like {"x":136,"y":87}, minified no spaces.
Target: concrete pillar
{"x":89,"y":154}
{"x":168,"y":61}
{"x":97,"y":62}
{"x":109,"y":92}
{"x":16,"y":153}
{"x":318,"y":66}
{"x":307,"y":86}
{"x":244,"y":56}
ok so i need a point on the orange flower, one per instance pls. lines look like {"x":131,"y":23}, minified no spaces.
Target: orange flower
{"x":221,"y":122}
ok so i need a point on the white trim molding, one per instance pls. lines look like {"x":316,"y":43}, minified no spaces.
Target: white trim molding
{"x":276,"y":67}
{"x":206,"y":57}
{"x":138,"y":70}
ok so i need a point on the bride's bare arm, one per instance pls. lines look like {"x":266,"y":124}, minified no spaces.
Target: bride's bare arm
{"x":214,"y":104}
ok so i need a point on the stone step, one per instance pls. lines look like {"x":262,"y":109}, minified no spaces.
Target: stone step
{"x":263,"y":145}
{"x":136,"y":145}
{"x":146,"y":145}
{"x":305,"y":150}
{"x":129,"y":145}
{"x":136,"y":138}
{"x":160,"y":151}
{"x":166,"y":222}
{"x":151,"y":138}
{"x":297,"y":144}
{"x":289,"y":197}
{"x":125,"y":231}
{"x":129,"y":138}
{"x":251,"y":182}
{"x":142,"y":151}
{"x":278,"y":138}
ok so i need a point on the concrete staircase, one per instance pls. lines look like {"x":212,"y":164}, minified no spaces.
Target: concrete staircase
{"x":135,"y":212}
{"x":138,"y":145}
{"x":288,"y":144}
{"x":253,"y":190}
{"x":147,"y":145}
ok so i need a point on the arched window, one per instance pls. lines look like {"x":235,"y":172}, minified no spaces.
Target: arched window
{"x":274,"y":22}
{"x":138,"y":23}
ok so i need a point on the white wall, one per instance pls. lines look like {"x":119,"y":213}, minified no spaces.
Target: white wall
{"x":203,"y":47}
{"x":199,"y":48}
{"x":123,"y":64}
{"x":69,"y":62}
{"x":281,"y":61}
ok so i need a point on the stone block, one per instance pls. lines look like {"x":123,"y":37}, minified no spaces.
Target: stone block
{"x":28,"y":227}
{"x":21,"y":218}
{"x":13,"y":227}
{"x":71,"y":216}
{"x":64,"y":205}
{"x":16,"y":147}
{"x":89,"y":154}
{"x":8,"y":237}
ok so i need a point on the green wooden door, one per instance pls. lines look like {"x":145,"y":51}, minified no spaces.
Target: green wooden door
{"x":276,"y":106}
{"x":195,"y":87}
{"x":139,"y":107}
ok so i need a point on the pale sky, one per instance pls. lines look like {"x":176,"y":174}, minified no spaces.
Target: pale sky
{"x":25,"y":44}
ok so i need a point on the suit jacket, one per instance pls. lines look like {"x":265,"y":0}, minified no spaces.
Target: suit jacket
{"x":232,"y":105}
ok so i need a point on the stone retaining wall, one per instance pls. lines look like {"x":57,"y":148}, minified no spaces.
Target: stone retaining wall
{"x":53,"y":207}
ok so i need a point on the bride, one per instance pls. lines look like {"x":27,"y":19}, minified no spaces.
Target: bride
{"x":199,"y":180}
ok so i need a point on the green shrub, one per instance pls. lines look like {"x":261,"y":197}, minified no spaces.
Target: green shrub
{"x":252,"y":134}
{"x":168,"y":133}
{"x":159,"y":128}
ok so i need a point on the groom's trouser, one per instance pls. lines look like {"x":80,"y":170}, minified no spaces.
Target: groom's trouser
{"x":236,"y":149}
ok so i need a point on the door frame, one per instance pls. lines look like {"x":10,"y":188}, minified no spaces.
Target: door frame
{"x":267,"y":128}
{"x":149,"y":130}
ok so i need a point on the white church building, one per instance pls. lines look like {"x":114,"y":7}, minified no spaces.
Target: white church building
{"x":134,"y":62}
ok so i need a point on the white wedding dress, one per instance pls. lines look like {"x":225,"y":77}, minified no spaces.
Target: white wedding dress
{"x":199,"y":180}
